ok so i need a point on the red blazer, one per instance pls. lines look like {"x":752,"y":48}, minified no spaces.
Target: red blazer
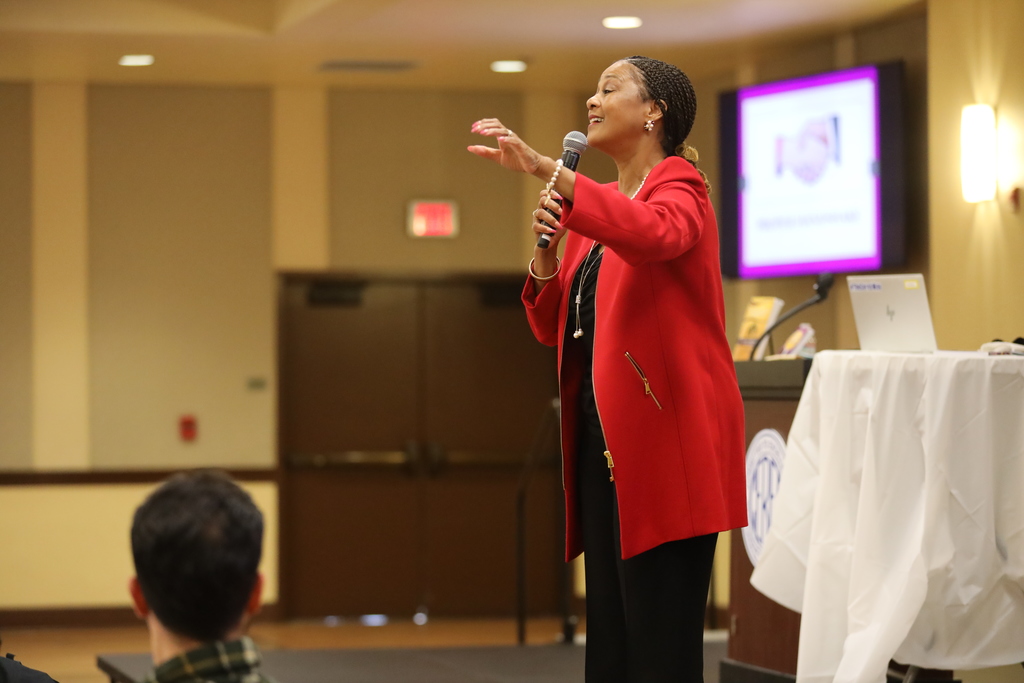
{"x":678,"y":450}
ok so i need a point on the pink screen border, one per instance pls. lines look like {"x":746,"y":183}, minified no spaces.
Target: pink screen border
{"x":873,"y":262}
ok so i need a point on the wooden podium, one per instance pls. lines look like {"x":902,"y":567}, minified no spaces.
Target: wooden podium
{"x":763,"y":635}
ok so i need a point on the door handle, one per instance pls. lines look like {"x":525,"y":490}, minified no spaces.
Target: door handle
{"x":436,"y":459}
{"x":413,"y":462}
{"x":345,"y":459}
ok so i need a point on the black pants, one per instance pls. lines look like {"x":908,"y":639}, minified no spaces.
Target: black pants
{"x":645,"y":615}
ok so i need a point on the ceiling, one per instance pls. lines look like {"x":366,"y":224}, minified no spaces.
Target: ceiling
{"x":451,"y":42}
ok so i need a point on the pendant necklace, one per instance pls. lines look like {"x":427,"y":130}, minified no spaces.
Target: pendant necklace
{"x":588,"y":266}
{"x":579,"y":290}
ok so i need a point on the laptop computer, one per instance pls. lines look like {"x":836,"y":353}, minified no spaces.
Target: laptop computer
{"x":891,"y":313}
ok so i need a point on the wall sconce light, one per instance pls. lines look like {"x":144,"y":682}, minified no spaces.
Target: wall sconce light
{"x":978,"y":153}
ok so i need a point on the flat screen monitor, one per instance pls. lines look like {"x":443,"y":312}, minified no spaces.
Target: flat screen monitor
{"x":812,"y":174}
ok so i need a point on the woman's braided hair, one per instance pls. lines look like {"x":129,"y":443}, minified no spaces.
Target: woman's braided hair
{"x":672,"y":91}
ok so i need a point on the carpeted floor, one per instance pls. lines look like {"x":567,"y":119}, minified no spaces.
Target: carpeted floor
{"x":532,"y":664}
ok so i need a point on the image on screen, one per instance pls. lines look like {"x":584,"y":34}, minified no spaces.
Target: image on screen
{"x":809,"y":180}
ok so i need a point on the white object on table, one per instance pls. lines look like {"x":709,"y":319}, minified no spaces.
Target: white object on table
{"x":898,"y":528}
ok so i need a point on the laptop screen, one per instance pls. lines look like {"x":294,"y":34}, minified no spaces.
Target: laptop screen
{"x":891,"y":313}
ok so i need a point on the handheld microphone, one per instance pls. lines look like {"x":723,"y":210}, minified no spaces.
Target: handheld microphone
{"x":573,"y":145}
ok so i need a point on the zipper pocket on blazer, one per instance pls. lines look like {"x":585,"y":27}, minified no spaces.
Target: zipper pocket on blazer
{"x":647,"y":385}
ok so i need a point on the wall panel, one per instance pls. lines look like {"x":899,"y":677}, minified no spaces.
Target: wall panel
{"x":388,"y":148}
{"x":15,"y":276}
{"x":80,"y":547}
{"x":181,"y":285}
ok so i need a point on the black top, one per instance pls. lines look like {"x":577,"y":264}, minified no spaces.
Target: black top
{"x":584,"y":286}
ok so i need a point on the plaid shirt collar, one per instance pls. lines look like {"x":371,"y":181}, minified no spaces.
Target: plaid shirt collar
{"x":237,"y":661}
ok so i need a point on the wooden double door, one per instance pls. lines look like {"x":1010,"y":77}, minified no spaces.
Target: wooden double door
{"x":408,"y":409}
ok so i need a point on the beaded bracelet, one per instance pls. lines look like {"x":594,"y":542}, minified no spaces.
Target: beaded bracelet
{"x":558,"y":267}
{"x":554,"y":177}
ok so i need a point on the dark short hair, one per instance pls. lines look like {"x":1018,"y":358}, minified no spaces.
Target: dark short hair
{"x":197,"y":542}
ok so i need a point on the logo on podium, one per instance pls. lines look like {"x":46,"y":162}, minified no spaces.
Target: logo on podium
{"x":765,"y":457}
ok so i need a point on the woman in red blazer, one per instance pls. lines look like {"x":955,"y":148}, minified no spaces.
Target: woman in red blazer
{"x":652,"y":420}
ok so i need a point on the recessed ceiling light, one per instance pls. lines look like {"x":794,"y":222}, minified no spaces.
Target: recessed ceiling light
{"x":622,"y":22}
{"x":508,"y":66}
{"x":136,"y":60}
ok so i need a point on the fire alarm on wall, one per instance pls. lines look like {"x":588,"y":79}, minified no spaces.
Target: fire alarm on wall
{"x":188,"y":428}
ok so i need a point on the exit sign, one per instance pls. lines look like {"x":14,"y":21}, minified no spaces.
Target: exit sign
{"x":432,"y":219}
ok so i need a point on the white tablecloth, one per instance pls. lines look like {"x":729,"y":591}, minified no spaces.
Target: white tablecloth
{"x":898,"y":528}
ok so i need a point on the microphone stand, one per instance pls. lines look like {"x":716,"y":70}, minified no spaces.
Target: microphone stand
{"x":789,"y":314}
{"x":821,"y":287}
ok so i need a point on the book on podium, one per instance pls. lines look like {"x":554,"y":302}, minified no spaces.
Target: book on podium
{"x":761,"y":312}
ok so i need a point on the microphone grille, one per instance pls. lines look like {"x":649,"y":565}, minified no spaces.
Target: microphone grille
{"x":575,"y":141}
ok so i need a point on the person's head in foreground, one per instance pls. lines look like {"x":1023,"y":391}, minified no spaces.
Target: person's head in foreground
{"x":196,"y":542}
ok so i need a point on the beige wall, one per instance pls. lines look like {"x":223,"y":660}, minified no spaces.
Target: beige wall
{"x":181,"y":285}
{"x":60,"y":300}
{"x":300,"y":182}
{"x":388,"y":148}
{"x":77,"y":548}
{"x":976,"y":250}
{"x":15,"y":276}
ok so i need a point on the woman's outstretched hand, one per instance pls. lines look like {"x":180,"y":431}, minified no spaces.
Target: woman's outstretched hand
{"x":512,"y":152}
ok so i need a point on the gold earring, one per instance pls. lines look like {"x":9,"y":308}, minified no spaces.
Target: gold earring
{"x":649,"y":126}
